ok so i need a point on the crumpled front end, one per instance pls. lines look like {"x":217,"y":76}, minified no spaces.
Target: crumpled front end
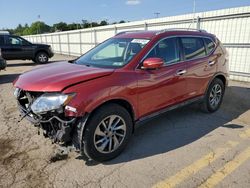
{"x":53,"y":122}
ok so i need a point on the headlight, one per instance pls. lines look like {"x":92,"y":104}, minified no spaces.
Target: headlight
{"x":17,"y":92}
{"x":50,"y":101}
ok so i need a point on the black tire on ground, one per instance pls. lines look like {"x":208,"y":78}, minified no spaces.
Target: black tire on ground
{"x":41,"y":57}
{"x":211,"y":103}
{"x":94,"y":128}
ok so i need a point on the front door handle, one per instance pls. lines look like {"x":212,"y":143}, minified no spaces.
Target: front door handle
{"x":181,"y":72}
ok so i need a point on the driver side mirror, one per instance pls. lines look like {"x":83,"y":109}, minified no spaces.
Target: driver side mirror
{"x":153,"y":63}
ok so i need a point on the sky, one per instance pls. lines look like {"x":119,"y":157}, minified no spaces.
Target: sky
{"x":14,"y":12}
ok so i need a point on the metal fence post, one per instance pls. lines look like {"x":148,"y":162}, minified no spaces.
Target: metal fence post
{"x":95,"y":38}
{"x":68,"y":44}
{"x":52,"y":42}
{"x":60,"y":44}
{"x":115,"y":29}
{"x":145,"y":26}
{"x":198,"y":21}
{"x":80,"y":38}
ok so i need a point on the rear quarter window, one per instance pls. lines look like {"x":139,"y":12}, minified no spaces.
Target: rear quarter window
{"x":210,"y":45}
{"x":193,"y":47}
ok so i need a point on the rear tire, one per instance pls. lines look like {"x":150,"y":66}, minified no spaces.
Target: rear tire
{"x":41,"y":57}
{"x":107,"y":132}
{"x":214,"y":96}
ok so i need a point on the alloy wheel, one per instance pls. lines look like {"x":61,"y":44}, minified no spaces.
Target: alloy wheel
{"x":109,"y":134}
{"x":215,"y":95}
{"x":42,"y":58}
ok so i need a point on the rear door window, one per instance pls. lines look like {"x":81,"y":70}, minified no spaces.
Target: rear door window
{"x":193,"y":47}
{"x":210,"y":45}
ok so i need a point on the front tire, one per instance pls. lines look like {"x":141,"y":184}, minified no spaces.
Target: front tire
{"x":214,"y":96}
{"x":41,"y":57}
{"x":107,"y":132}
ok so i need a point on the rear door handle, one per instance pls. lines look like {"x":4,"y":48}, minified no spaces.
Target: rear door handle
{"x":181,"y":72}
{"x":211,"y":63}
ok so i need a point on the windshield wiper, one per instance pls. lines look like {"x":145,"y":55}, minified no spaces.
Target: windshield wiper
{"x":82,"y":63}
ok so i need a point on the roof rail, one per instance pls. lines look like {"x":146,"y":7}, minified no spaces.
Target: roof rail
{"x":181,"y":29}
{"x":130,"y":31}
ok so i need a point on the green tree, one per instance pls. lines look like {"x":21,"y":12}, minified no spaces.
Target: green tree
{"x":74,"y":26}
{"x":19,"y":29}
{"x":38,"y":28}
{"x":61,"y":26}
{"x":86,"y":25}
{"x":26,"y":31}
{"x":103,"y":22}
{"x":94,"y":24}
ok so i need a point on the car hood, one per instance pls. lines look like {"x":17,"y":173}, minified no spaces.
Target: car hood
{"x":57,"y":76}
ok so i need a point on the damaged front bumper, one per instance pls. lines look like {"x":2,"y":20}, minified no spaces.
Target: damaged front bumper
{"x":63,"y":130}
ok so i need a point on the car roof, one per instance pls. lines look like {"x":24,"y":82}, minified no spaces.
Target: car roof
{"x":152,"y":34}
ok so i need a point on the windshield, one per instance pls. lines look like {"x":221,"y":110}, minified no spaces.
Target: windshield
{"x":113,"y":53}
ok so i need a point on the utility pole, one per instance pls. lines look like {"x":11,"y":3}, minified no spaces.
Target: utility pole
{"x":157,"y":14}
{"x":194,"y":10}
{"x":39,"y":24}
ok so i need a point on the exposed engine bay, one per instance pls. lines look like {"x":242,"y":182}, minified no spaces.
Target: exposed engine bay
{"x":53,"y":123}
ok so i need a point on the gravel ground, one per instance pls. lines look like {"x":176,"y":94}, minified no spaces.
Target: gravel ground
{"x":167,"y":151}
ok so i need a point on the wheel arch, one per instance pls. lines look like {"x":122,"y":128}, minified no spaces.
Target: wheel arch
{"x":122,"y":102}
{"x":220,"y":76}
{"x":40,"y":50}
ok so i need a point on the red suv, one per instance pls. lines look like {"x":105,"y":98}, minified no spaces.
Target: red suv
{"x":95,"y":102}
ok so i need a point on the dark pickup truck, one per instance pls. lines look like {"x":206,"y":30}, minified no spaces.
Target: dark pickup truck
{"x":15,"y":47}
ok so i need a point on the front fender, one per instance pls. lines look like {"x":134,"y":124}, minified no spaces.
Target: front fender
{"x":91,"y":94}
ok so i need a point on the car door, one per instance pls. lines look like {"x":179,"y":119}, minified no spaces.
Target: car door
{"x":200,"y":66}
{"x":28,"y":49}
{"x":165,"y":86}
{"x":13,"y":47}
